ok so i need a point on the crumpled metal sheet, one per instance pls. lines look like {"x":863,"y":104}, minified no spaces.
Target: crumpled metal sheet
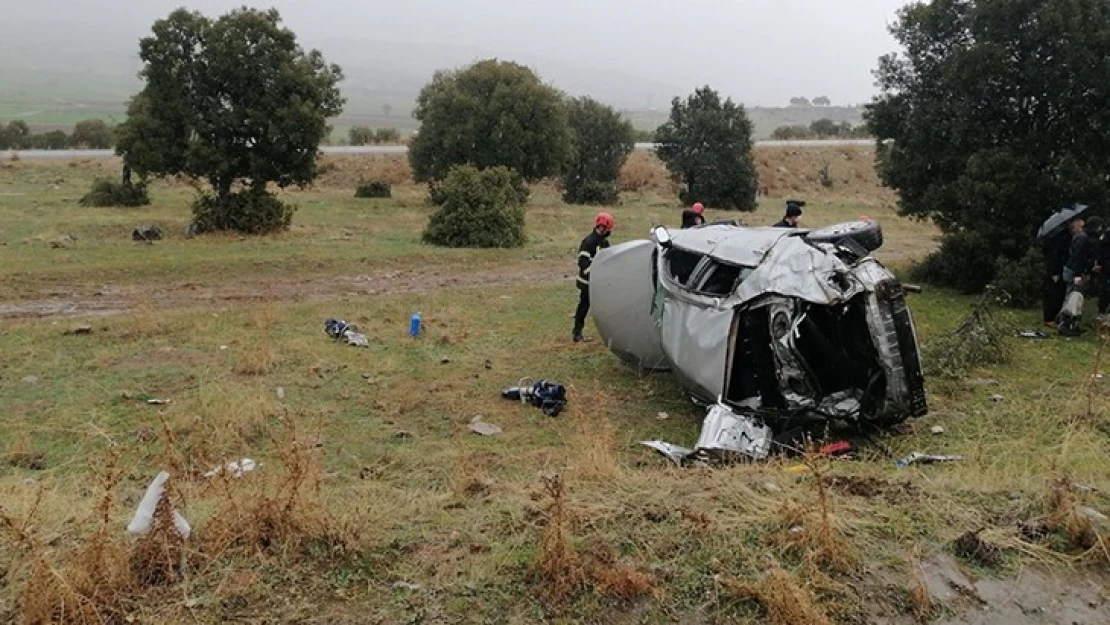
{"x":795,"y":268}
{"x":695,"y":339}
{"x":725,"y":436}
{"x":724,"y":431}
{"x":621,"y":294}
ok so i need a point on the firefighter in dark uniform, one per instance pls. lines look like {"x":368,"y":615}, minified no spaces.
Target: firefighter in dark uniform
{"x":693,"y":216}
{"x":793,"y":214}
{"x":596,"y":240}
{"x":1055,"y":256}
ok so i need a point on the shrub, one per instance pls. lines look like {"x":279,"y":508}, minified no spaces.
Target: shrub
{"x":374,"y":189}
{"x":251,"y":211}
{"x":982,"y":339}
{"x":590,"y":192}
{"x":1022,"y":279}
{"x":963,"y":262}
{"x":360,"y":135}
{"x":383,"y":136}
{"x":478,"y":208}
{"x":106,"y":192}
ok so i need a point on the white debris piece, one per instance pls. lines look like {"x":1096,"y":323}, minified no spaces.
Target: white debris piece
{"x":144,"y":514}
{"x":236,"y":468}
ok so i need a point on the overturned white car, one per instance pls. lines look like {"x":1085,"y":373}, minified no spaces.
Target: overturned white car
{"x":775,"y":323}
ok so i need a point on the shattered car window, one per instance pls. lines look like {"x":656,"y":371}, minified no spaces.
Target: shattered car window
{"x":722,"y":278}
{"x":681,"y":264}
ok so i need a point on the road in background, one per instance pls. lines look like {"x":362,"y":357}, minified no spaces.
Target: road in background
{"x":400,"y":149}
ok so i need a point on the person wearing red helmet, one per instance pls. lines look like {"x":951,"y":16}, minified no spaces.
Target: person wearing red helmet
{"x":596,"y":240}
{"x":693,"y":216}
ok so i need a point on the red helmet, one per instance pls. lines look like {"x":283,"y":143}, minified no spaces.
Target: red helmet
{"x":604,"y":220}
{"x":698,"y":208}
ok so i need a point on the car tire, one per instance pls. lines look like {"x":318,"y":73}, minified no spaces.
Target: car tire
{"x":866,"y":234}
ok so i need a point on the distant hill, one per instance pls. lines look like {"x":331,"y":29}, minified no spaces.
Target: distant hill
{"x":52,"y":86}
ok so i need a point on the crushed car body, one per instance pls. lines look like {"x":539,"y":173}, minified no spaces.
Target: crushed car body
{"x":777,"y":325}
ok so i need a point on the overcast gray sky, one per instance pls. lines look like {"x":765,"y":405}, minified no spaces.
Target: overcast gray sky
{"x":757,"y":51}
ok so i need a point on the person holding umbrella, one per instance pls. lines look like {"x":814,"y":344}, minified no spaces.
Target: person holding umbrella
{"x":1055,"y":240}
{"x":1081,"y":260}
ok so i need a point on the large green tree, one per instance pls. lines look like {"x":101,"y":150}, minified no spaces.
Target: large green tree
{"x":997,"y":114}
{"x":93,"y":134}
{"x":234,"y":101}
{"x":707,"y":145}
{"x":489,"y":114}
{"x":602,"y":142}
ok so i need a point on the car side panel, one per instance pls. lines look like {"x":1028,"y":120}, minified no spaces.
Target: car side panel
{"x":695,"y":340}
{"x":621,"y":292}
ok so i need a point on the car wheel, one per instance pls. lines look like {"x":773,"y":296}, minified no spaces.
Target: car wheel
{"x":866,"y":234}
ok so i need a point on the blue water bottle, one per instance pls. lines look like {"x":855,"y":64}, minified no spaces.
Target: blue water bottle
{"x":414,"y":326}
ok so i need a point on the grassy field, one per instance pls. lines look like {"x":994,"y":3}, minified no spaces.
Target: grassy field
{"x":374,"y":503}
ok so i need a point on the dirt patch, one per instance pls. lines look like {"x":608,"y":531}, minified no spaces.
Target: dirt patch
{"x":972,"y":548}
{"x":1033,"y":597}
{"x":872,"y":487}
{"x":119,"y":299}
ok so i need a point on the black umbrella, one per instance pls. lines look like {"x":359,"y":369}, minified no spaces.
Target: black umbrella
{"x":1059,"y":220}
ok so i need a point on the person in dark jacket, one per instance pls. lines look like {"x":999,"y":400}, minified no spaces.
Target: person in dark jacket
{"x":596,"y":240}
{"x":1081,"y":260}
{"x":693,"y":216}
{"x":1101,"y":272}
{"x":1052,"y":298}
{"x":793,"y":214}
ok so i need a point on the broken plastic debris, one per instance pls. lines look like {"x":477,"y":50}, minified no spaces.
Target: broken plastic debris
{"x":223,"y":347}
{"x":997,"y":397}
{"x":662,"y":416}
{"x":406,"y":586}
{"x":144,"y":514}
{"x":157,"y":401}
{"x":1032,"y":334}
{"x":917,"y":457}
{"x":342,"y":331}
{"x":31,"y":379}
{"x":280,"y":392}
{"x":234,"y":468}
{"x":80,"y":331}
{"x":937,"y":429}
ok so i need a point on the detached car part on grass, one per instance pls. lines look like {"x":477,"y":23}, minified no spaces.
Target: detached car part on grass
{"x":776,"y":325}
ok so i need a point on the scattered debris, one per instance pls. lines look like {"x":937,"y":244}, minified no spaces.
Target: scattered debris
{"x":280,"y":392}
{"x":937,"y":430}
{"x":80,"y":331}
{"x":414,"y":325}
{"x":917,"y":457}
{"x":224,"y":348}
{"x":406,"y":586}
{"x":1032,"y":334}
{"x":970,"y":547}
{"x":839,"y":448}
{"x":31,"y":379}
{"x":489,"y":365}
{"x":478,"y":426}
{"x":157,"y":401}
{"x":445,"y":361}
{"x":725,"y":436}
{"x":342,"y":331}
{"x":770,"y":488}
{"x":548,"y":396}
{"x":235,"y":468}
{"x":147,"y":233}
{"x":402,"y":434}
{"x":144,"y":514}
{"x":997,"y":398}
{"x":662,"y":416}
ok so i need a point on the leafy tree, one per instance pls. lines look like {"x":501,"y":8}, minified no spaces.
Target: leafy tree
{"x":478,"y":208}
{"x":799,"y":101}
{"x":386,"y":136}
{"x":996,"y":115}
{"x":53,"y":140}
{"x":822,"y":100}
{"x":825,"y":128}
{"x":790,"y":133}
{"x":234,"y":101}
{"x":491,"y":113}
{"x":360,"y":135}
{"x":16,"y":136}
{"x":602,"y":142}
{"x":707,"y":145}
{"x":93,"y":134}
